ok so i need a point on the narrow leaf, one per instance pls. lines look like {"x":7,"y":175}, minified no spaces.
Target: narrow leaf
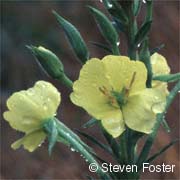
{"x":102,"y":46}
{"x":157,"y":49}
{"x":74,"y":37}
{"x":144,"y":56}
{"x":106,"y":27}
{"x":136,"y":7}
{"x":168,"y":78}
{"x":153,"y":157}
{"x":95,"y":141}
{"x":118,"y":12}
{"x":90,"y":123}
{"x":142,"y":33}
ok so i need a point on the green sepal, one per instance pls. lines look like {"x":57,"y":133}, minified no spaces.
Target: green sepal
{"x":74,"y":37}
{"x":136,"y":7}
{"x":52,"y":133}
{"x":157,"y":49}
{"x":105,"y":26}
{"x":167,"y":78}
{"x":161,"y":151}
{"x":90,"y":123}
{"x":142,"y":33}
{"x":95,"y":141}
{"x":50,"y":63}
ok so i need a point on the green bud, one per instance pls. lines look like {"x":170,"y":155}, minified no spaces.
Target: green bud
{"x":51,"y":64}
{"x":74,"y":37}
{"x":49,"y":61}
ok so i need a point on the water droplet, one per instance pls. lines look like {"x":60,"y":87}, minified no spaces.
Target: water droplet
{"x":48,"y":99}
{"x":100,"y":1}
{"x":118,"y":43}
{"x":156,"y":98}
{"x":81,"y":155}
{"x":144,"y":1}
{"x":158,"y":107}
{"x":72,"y":149}
{"x":109,"y":5}
{"x":86,"y":160}
{"x":139,"y":45}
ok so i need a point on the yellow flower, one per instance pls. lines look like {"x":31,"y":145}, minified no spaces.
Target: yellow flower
{"x":159,"y":67}
{"x":29,"y":109}
{"x":114,"y":91}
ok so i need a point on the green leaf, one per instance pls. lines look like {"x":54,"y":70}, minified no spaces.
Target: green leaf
{"x":144,"y":56}
{"x":90,"y":123}
{"x":142,"y":33}
{"x":157,"y":49}
{"x":102,"y":46}
{"x":51,"y":128}
{"x":153,"y":157}
{"x":106,"y":27}
{"x":118,"y":12}
{"x":74,"y":37}
{"x":167,"y":78}
{"x":136,"y":7}
{"x":95,"y":141}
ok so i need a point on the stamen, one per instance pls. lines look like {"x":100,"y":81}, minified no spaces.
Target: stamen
{"x":105,"y":91}
{"x":131,"y":83}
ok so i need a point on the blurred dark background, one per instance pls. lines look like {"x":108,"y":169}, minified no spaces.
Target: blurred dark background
{"x":31,"y":22}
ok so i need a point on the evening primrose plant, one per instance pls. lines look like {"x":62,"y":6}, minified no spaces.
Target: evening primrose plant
{"x":127,"y":96}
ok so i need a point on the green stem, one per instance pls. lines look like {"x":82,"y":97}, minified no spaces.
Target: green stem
{"x":115,"y":49}
{"x":149,"y":142}
{"x":66,"y":133}
{"x":66,"y":81}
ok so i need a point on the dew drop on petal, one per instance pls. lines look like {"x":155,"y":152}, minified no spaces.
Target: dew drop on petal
{"x":144,"y":1}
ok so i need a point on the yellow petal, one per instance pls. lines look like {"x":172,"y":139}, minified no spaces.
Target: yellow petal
{"x":113,"y":122}
{"x":86,"y":92}
{"x":140,"y":112}
{"x":29,"y":108}
{"x":159,"y":65}
{"x":30,"y":141}
{"x":120,"y":70}
{"x":21,"y":123}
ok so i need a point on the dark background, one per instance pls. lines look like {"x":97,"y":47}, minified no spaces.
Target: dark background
{"x":31,"y":22}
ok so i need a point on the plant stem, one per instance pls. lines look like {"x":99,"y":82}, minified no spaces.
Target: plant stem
{"x":115,"y":49}
{"x":149,"y":142}
{"x":74,"y":141}
{"x":66,"y":81}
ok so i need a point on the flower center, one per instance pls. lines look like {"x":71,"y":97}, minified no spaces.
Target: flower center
{"x":118,"y":99}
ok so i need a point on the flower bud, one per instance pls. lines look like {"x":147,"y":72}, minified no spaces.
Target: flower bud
{"x":49,"y":61}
